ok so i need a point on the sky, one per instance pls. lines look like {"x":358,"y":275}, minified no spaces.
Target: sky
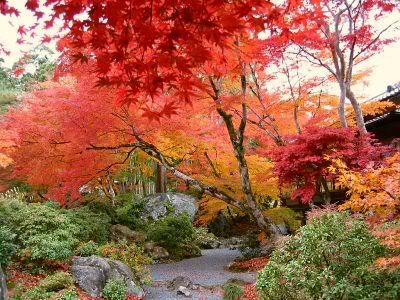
{"x":385,"y":66}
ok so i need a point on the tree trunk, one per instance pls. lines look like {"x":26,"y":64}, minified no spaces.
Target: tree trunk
{"x":357,"y":110}
{"x":3,"y":286}
{"x":160,"y":182}
{"x":327,"y":193}
{"x":263,"y":222}
{"x":342,"y":101}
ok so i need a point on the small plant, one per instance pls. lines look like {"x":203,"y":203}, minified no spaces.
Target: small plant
{"x":87,"y":249}
{"x":232,"y":291}
{"x":130,"y":254}
{"x":203,"y":238}
{"x":114,"y":290}
{"x":70,"y":295}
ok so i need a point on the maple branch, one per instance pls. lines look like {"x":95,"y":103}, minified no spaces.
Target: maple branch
{"x":375,"y":39}
{"x":155,"y":153}
{"x":214,"y":169}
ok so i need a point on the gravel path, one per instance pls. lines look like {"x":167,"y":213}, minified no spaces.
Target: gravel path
{"x":207,"y":271}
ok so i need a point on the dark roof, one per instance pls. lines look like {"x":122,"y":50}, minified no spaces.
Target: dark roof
{"x":392,"y":94}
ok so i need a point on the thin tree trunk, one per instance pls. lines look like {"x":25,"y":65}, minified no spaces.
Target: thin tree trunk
{"x":357,"y":110}
{"x":342,"y":101}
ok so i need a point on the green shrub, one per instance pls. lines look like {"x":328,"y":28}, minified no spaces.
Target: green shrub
{"x":48,"y":232}
{"x":172,"y":230}
{"x":114,"y":290}
{"x":284,"y":215}
{"x":130,"y":254}
{"x":129,"y":212}
{"x":87,"y":249}
{"x":45,"y":232}
{"x":56,"y":282}
{"x":330,"y":258}
{"x":232,"y":291}
{"x":7,"y":245}
{"x":92,"y":225}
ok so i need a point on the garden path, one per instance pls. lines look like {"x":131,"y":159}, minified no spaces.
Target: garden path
{"x":206,"y":271}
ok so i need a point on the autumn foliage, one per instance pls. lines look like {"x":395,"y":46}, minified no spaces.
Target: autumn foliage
{"x":307,"y":157}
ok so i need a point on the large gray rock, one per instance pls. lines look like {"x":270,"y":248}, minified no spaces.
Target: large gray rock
{"x":157,"y":205}
{"x":3,"y":286}
{"x":91,"y":274}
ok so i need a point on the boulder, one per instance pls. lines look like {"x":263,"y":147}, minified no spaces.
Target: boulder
{"x":91,"y":274}
{"x":121,"y":232}
{"x":3,"y":286}
{"x":149,"y":246}
{"x":158,"y":205}
{"x":159,"y":252}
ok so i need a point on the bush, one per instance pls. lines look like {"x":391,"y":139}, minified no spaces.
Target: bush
{"x":232,"y":291}
{"x":87,"y":249}
{"x":330,"y":258}
{"x":129,"y":213}
{"x":48,"y":232}
{"x":172,"y":230}
{"x":45,"y":232}
{"x":92,"y":225}
{"x":114,"y":290}
{"x":56,"y":282}
{"x":7,"y":245}
{"x":130,"y":254}
{"x":284,"y":215}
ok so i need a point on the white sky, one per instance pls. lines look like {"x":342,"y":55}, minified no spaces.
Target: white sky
{"x":385,"y":65}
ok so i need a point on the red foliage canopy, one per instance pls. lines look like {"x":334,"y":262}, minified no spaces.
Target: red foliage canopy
{"x":307,"y":157}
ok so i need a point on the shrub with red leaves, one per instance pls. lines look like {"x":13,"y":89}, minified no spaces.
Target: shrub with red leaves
{"x":252,"y":265}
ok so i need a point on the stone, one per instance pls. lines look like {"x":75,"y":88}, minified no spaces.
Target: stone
{"x":91,"y":274}
{"x":157,"y":206}
{"x":179,"y":281}
{"x":183,"y":291}
{"x":3,"y":286}
{"x":89,"y":279}
{"x":149,"y":246}
{"x":121,"y":232}
{"x":159,"y":252}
